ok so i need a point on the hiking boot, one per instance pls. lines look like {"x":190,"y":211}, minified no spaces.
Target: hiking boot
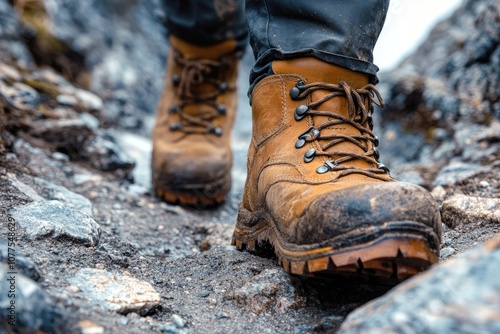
{"x":316,"y":191}
{"x":192,"y":159}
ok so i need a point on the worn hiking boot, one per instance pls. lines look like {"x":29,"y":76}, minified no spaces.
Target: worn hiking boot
{"x":316,"y":191}
{"x":192,"y":160}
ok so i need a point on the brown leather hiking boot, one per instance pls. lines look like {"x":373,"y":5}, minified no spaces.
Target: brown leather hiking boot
{"x":192,"y":159}
{"x":316,"y":190}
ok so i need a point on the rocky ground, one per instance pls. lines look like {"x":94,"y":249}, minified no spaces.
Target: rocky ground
{"x":96,"y":252}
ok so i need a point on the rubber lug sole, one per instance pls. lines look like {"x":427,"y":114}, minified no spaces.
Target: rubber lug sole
{"x":386,"y":260}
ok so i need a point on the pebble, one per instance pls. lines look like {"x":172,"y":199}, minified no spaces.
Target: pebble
{"x":439,"y":193}
{"x":484,"y":184}
{"x":90,"y":327}
{"x":89,"y":100}
{"x":57,"y":220}
{"x":270,"y":290}
{"x":66,"y":100}
{"x":178,"y":321}
{"x":60,"y":156}
{"x":447,"y":252}
{"x":119,"y":293}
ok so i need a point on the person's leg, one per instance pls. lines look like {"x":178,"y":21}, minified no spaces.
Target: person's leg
{"x":191,"y":161}
{"x":335,"y":31}
{"x":316,"y":190}
{"x":207,"y":22}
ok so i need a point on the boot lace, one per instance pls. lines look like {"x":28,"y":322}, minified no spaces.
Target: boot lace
{"x":360,"y":109}
{"x":196,"y":72}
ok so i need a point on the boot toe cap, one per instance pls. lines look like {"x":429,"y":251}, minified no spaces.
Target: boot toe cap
{"x":391,"y":207}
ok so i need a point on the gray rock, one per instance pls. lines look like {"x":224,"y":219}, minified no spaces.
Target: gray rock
{"x":33,"y":309}
{"x":19,"y":95}
{"x":271,"y":290}
{"x":457,"y":171}
{"x":12,"y":46}
{"x":51,"y":191}
{"x":462,"y":209}
{"x":20,"y":263}
{"x":105,"y":154}
{"x":458,"y":296}
{"x":57,"y":220}
{"x":119,"y":293}
{"x":449,"y":84}
{"x":117,"y":69}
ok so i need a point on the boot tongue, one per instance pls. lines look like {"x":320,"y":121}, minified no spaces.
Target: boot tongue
{"x":315,"y":71}
{"x":194,"y":52}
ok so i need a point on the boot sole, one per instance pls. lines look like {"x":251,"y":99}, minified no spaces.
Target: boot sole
{"x":198,"y":196}
{"x":387,"y":256}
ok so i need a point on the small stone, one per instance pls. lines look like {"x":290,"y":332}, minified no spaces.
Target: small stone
{"x":178,"y":321}
{"x":222,"y":315}
{"x":9,"y":72}
{"x":114,"y":292}
{"x":19,"y":95}
{"x":170,"y":328}
{"x":462,"y":209}
{"x":90,"y":327}
{"x":60,"y":156}
{"x":90,"y":120}
{"x":57,"y":220}
{"x":271,"y":290}
{"x":89,"y":100}
{"x":439,"y":193}
{"x":66,"y":100}
{"x":73,"y":289}
{"x":203,"y":294}
{"x":447,"y":252}
{"x":82,"y":178}
{"x":484,"y":184}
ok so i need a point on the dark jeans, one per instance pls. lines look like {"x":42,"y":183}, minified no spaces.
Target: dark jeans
{"x":339,"y":32}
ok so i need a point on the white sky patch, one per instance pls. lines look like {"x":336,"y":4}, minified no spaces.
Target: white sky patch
{"x":407,"y":25}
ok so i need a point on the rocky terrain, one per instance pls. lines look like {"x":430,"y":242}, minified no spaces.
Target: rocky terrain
{"x":86,"y":247}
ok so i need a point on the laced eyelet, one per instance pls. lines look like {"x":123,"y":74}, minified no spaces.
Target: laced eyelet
{"x":174,"y":109}
{"x":176,"y":80}
{"x":295,"y":91}
{"x":309,"y":155}
{"x":300,"y":112}
{"x":376,"y":142}
{"x":383,"y":167}
{"x":376,"y":153}
{"x":223,"y":87}
{"x":215,"y":130}
{"x":175,"y":126}
{"x":221,"y":109}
